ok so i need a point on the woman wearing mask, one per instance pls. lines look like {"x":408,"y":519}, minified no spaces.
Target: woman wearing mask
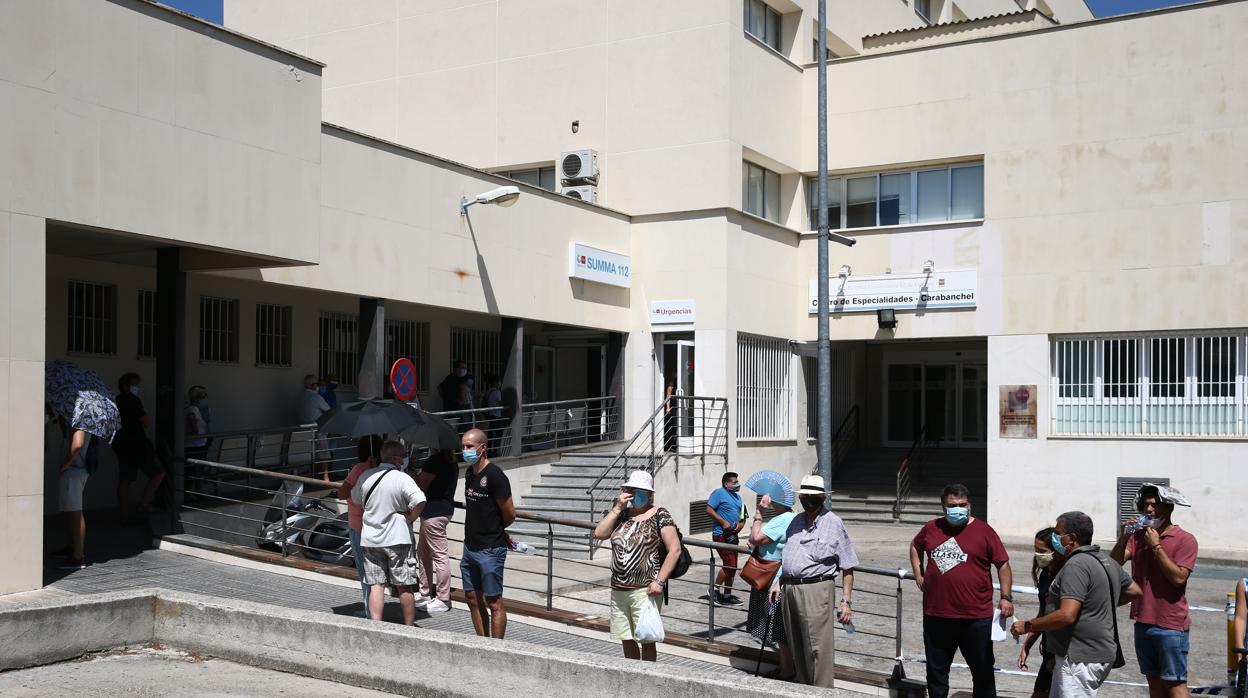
{"x":196,"y":422}
{"x":644,"y":551}
{"x":764,"y":621}
{"x":1044,"y":565}
{"x":368,"y":449}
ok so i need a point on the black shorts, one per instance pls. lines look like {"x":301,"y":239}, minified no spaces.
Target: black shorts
{"x":130,"y":462}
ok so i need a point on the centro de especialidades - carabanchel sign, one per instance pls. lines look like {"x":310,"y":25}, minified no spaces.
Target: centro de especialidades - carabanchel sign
{"x":867,"y":294}
{"x":602,"y":266}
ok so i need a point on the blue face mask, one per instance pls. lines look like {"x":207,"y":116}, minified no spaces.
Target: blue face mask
{"x":1056,"y":542}
{"x":404,"y":466}
{"x":640,"y":498}
{"x":958,"y":516}
{"x":471,"y":456}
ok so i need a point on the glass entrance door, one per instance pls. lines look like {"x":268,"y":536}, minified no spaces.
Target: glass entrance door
{"x":950,"y":399}
{"x":678,"y":372}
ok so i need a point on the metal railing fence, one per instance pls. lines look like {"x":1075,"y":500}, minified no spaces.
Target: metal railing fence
{"x":239,"y":512}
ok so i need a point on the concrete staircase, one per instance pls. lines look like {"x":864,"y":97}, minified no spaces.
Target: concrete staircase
{"x":865,"y":485}
{"x":561,"y":493}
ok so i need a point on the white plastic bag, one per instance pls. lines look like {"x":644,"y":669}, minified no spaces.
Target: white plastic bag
{"x":649,"y":624}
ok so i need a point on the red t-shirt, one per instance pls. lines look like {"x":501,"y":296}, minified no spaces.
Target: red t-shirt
{"x":1163,"y":603}
{"x":957,"y":582}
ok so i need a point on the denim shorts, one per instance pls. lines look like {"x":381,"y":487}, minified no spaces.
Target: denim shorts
{"x":482,"y":570}
{"x":1161,"y":652}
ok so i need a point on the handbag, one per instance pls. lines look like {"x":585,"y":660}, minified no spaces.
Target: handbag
{"x":759,"y":573}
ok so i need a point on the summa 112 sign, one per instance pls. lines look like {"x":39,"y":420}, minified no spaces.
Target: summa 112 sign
{"x":601,"y":266}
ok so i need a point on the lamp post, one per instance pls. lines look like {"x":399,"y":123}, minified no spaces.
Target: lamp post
{"x":823,"y":446}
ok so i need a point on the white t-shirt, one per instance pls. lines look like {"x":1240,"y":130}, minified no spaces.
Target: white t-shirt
{"x":312,"y":407}
{"x":385,"y":514}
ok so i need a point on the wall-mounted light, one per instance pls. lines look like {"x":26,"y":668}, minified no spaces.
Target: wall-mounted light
{"x":886,"y":318}
{"x":502,"y":196}
{"x":929,"y":266}
{"x":846,"y":270}
{"x":576,"y":126}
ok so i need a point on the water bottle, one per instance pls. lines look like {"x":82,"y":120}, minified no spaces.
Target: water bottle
{"x":849,"y":628}
{"x":521,"y":547}
{"x":1143,"y":522}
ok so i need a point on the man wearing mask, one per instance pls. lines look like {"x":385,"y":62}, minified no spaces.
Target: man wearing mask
{"x":311,"y":406}
{"x":816,"y":549}
{"x":1082,"y":630}
{"x":1162,"y":557}
{"x":488,"y":511}
{"x":951,"y":557}
{"x":134,"y":450}
{"x":729,"y":516}
{"x":391,"y":502}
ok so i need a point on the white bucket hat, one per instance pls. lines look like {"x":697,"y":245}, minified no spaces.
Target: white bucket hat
{"x":812,"y":484}
{"x":640,"y":480}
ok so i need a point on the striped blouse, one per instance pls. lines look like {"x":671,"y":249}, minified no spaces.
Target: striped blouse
{"x":637,"y":550}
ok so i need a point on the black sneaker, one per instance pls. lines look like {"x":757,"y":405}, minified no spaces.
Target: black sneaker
{"x":71,"y":563}
{"x":731,"y":600}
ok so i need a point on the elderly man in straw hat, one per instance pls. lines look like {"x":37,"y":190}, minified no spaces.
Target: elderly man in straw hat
{"x":817,"y":550}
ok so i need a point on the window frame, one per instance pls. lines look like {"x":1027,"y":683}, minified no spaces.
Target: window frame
{"x":842,"y":183}
{"x":222,"y":339}
{"x":765,"y":390}
{"x":331,"y":358}
{"x":145,"y":324}
{"x":1095,"y":357}
{"x":280,"y":339}
{"x":771,"y":18}
{"x":84,"y":343}
{"x":768,"y":177}
{"x":540,"y":172}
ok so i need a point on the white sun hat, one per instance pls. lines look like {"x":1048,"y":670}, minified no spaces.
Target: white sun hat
{"x":812,"y":484}
{"x":640,"y":480}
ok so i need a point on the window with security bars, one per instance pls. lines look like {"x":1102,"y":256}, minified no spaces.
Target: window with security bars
{"x":764,"y":388}
{"x":273,"y":334}
{"x":147,"y":324}
{"x":409,"y":339}
{"x":479,"y":349}
{"x":1171,"y":384}
{"x":338,"y":351}
{"x":840,"y":391}
{"x":218,"y":330}
{"x":92,"y":317}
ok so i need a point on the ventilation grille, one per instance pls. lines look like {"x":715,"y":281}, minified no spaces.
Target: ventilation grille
{"x":574,"y":166}
{"x":699,"y":520}
{"x":1127,"y":487}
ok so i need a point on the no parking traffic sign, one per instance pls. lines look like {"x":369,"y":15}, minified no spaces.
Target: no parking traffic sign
{"x":403,"y":379}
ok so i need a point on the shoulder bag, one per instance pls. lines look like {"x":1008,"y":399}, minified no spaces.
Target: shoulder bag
{"x":759,"y":573}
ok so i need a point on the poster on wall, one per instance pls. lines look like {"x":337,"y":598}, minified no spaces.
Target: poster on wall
{"x":1018,"y":411}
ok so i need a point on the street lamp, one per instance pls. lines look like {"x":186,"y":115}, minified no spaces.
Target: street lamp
{"x":502,"y":196}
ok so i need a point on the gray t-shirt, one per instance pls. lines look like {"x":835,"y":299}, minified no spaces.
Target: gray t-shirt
{"x":1091,"y":638}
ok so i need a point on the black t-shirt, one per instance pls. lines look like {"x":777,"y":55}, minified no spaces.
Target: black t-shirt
{"x":483,"y":521}
{"x":130,"y":437}
{"x":441,"y":492}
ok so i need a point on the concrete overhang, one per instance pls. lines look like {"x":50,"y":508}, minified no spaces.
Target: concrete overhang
{"x":87,"y":242}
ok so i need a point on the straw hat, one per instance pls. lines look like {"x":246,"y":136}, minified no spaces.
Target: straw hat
{"x":812,"y":484}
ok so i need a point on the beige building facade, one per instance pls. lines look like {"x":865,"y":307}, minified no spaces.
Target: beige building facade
{"x":1079,"y":183}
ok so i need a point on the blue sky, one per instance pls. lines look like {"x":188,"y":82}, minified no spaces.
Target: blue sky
{"x":1105,"y":8}
{"x":211,"y":10}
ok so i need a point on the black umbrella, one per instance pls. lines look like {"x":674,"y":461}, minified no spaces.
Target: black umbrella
{"x":435,"y":432}
{"x":356,"y":419}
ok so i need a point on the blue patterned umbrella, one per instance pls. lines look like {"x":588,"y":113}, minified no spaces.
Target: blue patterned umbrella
{"x":769,"y":482}
{"x":81,"y":398}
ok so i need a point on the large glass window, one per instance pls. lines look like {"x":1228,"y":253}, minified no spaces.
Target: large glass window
{"x":762,"y":23}
{"x":760,"y":191}
{"x":933,"y":195}
{"x":543,"y":177}
{"x":1171,"y":384}
{"x":834,"y":203}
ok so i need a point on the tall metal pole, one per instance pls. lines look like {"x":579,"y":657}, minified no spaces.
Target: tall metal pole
{"x":824,"y":441}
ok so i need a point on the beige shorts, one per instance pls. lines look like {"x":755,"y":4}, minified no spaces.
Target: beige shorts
{"x":395,"y":565}
{"x":626,"y":605}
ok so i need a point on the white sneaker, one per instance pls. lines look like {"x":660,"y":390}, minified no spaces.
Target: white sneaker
{"x":422,"y":601}
{"x":436,"y":606}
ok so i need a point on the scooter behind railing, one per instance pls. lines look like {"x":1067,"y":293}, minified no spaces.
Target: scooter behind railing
{"x":311,"y":527}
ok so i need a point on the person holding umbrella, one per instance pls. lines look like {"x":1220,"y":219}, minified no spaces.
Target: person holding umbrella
{"x":84,"y":407}
{"x":764,"y":620}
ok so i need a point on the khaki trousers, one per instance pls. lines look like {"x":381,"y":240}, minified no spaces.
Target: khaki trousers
{"x":809,"y":620}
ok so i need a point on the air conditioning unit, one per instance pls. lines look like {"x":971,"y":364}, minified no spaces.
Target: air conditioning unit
{"x":578,"y":167}
{"x":584,"y":192}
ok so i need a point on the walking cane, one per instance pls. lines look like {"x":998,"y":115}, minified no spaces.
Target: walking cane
{"x":766,"y":631}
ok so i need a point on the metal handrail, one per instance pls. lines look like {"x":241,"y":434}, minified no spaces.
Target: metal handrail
{"x":852,"y":414}
{"x":883,"y":604}
{"x":636,"y":435}
{"x":904,"y":470}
